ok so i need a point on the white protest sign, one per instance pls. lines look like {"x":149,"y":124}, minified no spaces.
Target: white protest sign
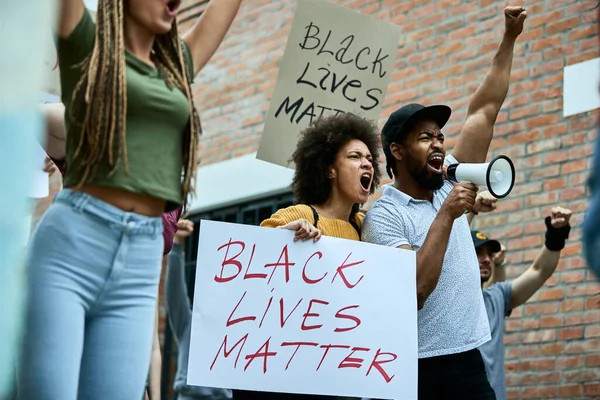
{"x":336,"y":317}
{"x":336,"y":60}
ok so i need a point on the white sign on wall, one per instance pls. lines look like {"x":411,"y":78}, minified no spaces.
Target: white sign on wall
{"x":581,"y":87}
{"x":336,"y":317}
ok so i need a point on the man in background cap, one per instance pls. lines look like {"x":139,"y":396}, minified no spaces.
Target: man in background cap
{"x":422,"y":212}
{"x":502,"y":297}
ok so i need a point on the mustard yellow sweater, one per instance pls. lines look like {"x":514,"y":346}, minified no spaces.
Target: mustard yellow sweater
{"x":329,"y":226}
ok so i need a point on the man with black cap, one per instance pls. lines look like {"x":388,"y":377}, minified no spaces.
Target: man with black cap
{"x":421,"y":211}
{"x":502,"y":297}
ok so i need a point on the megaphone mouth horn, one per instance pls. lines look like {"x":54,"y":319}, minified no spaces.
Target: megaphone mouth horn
{"x":490,"y":174}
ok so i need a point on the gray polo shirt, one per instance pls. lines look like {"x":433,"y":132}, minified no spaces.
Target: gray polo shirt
{"x":497,"y":304}
{"x":453,"y":319}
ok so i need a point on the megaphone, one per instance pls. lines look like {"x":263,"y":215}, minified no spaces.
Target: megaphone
{"x":497,"y":176}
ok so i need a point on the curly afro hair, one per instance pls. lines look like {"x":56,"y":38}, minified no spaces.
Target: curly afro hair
{"x":316,"y":150}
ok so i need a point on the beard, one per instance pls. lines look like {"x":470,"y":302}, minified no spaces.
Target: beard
{"x":484,"y":279}
{"x":423,"y":177}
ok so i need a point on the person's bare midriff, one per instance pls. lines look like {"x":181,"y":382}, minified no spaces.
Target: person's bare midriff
{"x":142,"y":204}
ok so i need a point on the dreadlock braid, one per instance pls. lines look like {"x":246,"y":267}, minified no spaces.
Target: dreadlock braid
{"x":102,"y":90}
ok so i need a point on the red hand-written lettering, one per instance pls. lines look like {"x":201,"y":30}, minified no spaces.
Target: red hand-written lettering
{"x":308,"y":314}
{"x":282,"y":321}
{"x":353,"y":362}
{"x":340,"y":272}
{"x":377,"y":365}
{"x":262,"y":352}
{"x":306,"y":278}
{"x":235,"y":321}
{"x":286,"y":263}
{"x":341,"y":315}
{"x":230,"y":261}
{"x":327,"y":347}
{"x":256,"y":274}
{"x":297,"y":344}
{"x":227,"y":353}
{"x":267,"y":309}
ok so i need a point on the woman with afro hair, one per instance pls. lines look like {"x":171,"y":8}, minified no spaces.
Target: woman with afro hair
{"x":336,"y":171}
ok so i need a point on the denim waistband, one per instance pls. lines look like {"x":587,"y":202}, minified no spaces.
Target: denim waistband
{"x":132,"y":223}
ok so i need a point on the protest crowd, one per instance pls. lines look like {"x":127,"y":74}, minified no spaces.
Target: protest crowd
{"x":123,"y":141}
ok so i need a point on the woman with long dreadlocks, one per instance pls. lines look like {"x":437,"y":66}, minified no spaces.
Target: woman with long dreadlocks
{"x":95,"y":257}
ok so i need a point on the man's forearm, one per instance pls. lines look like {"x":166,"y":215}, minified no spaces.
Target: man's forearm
{"x":490,"y":95}
{"x":546,"y":262}
{"x":430,"y":257}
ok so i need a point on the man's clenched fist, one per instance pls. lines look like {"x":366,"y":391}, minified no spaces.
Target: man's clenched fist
{"x":514,"y":17}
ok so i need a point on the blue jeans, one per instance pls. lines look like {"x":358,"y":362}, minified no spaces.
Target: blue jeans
{"x":93,"y":280}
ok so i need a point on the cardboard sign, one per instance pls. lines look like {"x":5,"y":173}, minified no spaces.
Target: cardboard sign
{"x":336,"y":60}
{"x":336,"y":317}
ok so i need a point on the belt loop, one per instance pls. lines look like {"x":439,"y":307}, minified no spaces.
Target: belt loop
{"x":80,"y":199}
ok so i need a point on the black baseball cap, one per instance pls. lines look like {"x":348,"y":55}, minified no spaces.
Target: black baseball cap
{"x":479,"y":239}
{"x":396,"y":125}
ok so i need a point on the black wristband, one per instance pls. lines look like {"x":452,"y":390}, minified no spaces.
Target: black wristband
{"x":556,"y":237}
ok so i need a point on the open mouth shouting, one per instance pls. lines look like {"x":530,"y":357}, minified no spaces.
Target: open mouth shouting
{"x":172,"y":7}
{"x":435,"y":163}
{"x":365,"y":182}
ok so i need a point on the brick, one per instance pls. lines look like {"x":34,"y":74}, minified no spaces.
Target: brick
{"x":542,"y":120}
{"x":543,"y":392}
{"x":551,"y":321}
{"x":583,"y":376}
{"x":587,"y":31}
{"x":592,"y":303}
{"x":561,"y":26}
{"x":569,"y":362}
{"x":592,"y":360}
{"x":552,"y":348}
{"x":570,"y":390}
{"x":545,"y":335}
{"x":543,"y":364}
{"x":592,"y":331}
{"x":591,"y":389}
{"x":570,"y":333}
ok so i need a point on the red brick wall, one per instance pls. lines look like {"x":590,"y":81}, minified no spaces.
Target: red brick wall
{"x":552,"y":342}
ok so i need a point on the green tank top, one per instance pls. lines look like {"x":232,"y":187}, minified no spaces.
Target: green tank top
{"x":156,"y":122}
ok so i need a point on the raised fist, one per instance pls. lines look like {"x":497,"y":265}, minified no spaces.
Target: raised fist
{"x":185,"y":228}
{"x":514,"y":17}
{"x":559,"y":217}
{"x":485,"y":202}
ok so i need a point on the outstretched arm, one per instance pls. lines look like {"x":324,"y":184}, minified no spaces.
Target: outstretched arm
{"x":178,"y":304}
{"x":476,"y":135}
{"x":545,"y":263}
{"x":208,"y":33}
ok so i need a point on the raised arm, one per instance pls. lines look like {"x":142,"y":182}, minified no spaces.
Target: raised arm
{"x":70,"y":14}
{"x":207,"y":34}
{"x":545,"y":263}
{"x":178,"y":304}
{"x":476,"y":135}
